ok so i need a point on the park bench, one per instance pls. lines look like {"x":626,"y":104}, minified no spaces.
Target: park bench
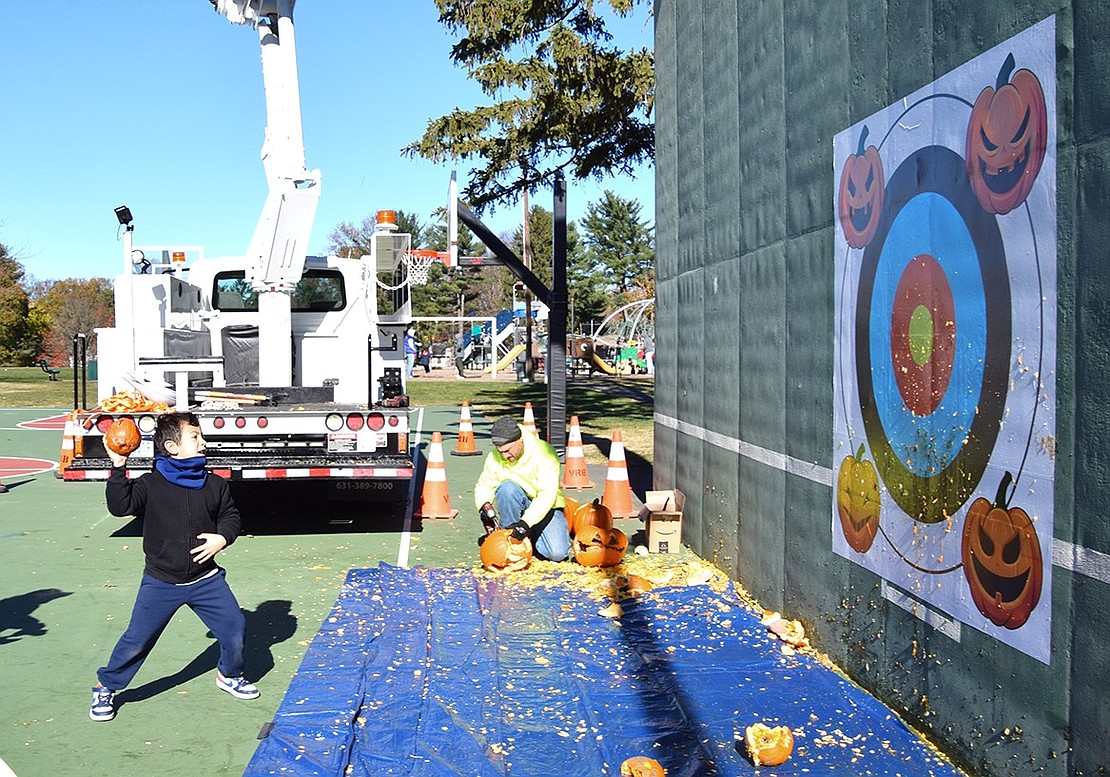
{"x":51,"y":371}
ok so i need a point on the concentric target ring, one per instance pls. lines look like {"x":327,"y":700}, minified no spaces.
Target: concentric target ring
{"x":932,"y":449}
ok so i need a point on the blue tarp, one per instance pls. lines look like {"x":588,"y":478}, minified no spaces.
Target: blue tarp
{"x":451,"y":672}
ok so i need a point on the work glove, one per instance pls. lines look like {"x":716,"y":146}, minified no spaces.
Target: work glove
{"x":520,"y":530}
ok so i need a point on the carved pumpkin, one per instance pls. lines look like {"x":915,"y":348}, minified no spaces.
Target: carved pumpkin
{"x":1002,"y":559}
{"x":642,"y":766}
{"x":595,"y":546}
{"x":123,"y":437}
{"x":501,"y":553}
{"x":857,"y":501}
{"x":593,"y":514}
{"x":862,"y":188}
{"x":1006,"y":139}
{"x":569,"y":510}
{"x":768,"y":746}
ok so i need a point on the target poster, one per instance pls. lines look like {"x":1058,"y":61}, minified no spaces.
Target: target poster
{"x":945,"y":347}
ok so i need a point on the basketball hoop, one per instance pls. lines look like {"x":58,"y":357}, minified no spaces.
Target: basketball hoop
{"x":418,"y":265}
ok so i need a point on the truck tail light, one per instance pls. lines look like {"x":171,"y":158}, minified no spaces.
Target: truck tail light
{"x":355,"y":422}
{"x":394,"y":420}
{"x":218,"y":423}
{"x":240,"y":422}
{"x":262,"y":422}
{"x":375,"y":422}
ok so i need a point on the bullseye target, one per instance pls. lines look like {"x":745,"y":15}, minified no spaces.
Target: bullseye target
{"x":933,"y":335}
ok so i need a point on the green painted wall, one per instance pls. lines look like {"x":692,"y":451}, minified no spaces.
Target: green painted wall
{"x":750,"y":94}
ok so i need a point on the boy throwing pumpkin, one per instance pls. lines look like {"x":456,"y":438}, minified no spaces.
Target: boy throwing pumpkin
{"x":188,"y":517}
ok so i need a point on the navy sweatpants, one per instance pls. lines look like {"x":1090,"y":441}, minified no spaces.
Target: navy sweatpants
{"x":213,"y":602}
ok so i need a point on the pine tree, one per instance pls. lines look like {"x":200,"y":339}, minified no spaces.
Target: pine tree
{"x":621,"y":245}
{"x":564,"y":97}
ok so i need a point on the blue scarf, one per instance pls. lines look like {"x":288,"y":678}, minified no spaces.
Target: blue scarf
{"x":187,"y":473}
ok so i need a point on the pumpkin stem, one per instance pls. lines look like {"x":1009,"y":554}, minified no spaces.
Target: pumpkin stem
{"x":1004,"y":74}
{"x":861,"y":148}
{"x":859,"y":453}
{"x":1000,"y":499}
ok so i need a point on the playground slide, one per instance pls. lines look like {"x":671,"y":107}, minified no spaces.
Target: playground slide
{"x":517,"y":350}
{"x":604,"y":366}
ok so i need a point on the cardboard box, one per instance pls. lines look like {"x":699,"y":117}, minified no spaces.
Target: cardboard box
{"x":662,"y":514}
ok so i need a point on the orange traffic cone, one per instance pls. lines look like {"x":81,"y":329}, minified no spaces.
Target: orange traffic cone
{"x":618,"y":493}
{"x":465,"y":445}
{"x":65,"y":458}
{"x":575,"y":473}
{"x":435,"y":500}
{"x":529,"y":418}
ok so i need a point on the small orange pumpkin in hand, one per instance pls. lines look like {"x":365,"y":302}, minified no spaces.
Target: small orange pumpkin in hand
{"x":501,"y":553}
{"x":768,"y":746}
{"x":123,"y":436}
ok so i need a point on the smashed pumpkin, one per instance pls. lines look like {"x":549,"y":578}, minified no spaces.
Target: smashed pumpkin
{"x":768,"y":746}
{"x":501,"y":553}
{"x":642,"y":766}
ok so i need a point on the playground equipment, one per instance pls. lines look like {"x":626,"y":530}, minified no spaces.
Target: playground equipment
{"x":619,"y":337}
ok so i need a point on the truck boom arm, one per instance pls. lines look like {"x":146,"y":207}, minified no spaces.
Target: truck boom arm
{"x":276,"y":254}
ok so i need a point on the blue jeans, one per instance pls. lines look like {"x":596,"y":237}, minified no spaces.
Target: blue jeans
{"x":213,"y":602}
{"x":550,"y":538}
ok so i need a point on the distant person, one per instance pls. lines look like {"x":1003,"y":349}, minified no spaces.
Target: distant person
{"x":519,"y":490}
{"x":424,"y":358}
{"x":411,"y":348}
{"x":188,"y":517}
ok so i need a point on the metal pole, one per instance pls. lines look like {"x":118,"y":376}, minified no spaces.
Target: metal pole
{"x":557,"y":324}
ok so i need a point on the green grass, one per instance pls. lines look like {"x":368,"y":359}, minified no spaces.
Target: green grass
{"x":599,"y":412}
{"x":31,"y":387}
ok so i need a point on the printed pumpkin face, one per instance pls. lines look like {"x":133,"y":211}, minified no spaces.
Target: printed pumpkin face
{"x":598,"y":547}
{"x":857,"y":501}
{"x":1002,"y":560}
{"x":860,"y":199}
{"x":501,"y":553}
{"x":1006,"y":139}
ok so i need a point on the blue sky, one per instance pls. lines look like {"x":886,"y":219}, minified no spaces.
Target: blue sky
{"x":108,"y":103}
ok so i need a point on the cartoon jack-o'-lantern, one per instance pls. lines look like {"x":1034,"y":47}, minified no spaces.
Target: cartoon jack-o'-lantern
{"x":501,"y":553}
{"x":860,"y":200}
{"x":1006,"y":139}
{"x":857,"y":501}
{"x":1002,"y":560}
{"x":598,"y":547}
